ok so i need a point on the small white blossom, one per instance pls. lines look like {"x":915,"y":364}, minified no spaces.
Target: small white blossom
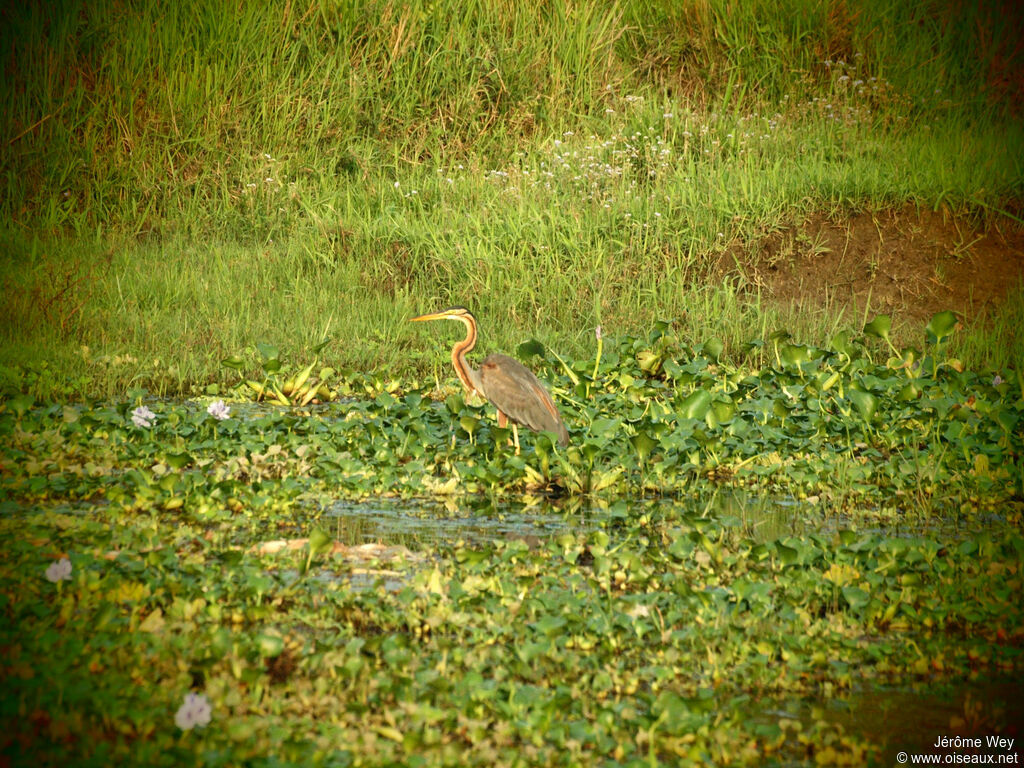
{"x":997,"y":380}
{"x":597,"y":332}
{"x":194,"y":711}
{"x":59,"y":570}
{"x":639,"y":611}
{"x":218,"y":410}
{"x":143,"y":417}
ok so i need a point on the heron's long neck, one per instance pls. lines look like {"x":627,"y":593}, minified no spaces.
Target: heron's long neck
{"x":469,"y":377}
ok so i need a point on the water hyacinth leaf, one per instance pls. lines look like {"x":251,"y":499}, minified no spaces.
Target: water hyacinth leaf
{"x":670,"y":707}
{"x":267,"y":351}
{"x":713,"y":348}
{"x":230,"y":558}
{"x":469,"y":423}
{"x":675,"y":371}
{"x":643,"y":443}
{"x":879,"y":327}
{"x":21,"y":404}
{"x":178,"y":460}
{"x":940,"y":326}
{"x":270,"y":646}
{"x":724,"y":409}
{"x":695,"y":405}
{"x":855,"y":597}
{"x":795,"y":354}
{"x":841,"y":343}
{"x":781,"y":408}
{"x":235,"y":362}
{"x":865,"y":402}
{"x":544,"y":443}
{"x":530,"y":348}
{"x":549,"y":625}
{"x":501,"y":434}
{"x":908,"y":392}
{"x":847,"y":537}
{"x":605,"y":427}
{"x":319,"y":541}
{"x":787,"y":555}
{"x":1006,"y":419}
{"x":603,"y":480}
{"x":649,"y":361}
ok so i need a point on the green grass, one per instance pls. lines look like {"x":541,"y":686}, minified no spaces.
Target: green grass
{"x":182,"y":182}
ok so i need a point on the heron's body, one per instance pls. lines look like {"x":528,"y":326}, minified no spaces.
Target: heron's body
{"x":509,"y":385}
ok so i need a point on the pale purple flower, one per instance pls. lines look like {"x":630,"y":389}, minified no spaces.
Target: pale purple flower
{"x":59,"y":570}
{"x":143,"y":417}
{"x":997,"y":380}
{"x":218,"y":410}
{"x":194,"y":711}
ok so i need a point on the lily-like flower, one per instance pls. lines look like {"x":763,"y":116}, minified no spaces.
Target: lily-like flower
{"x":59,"y":570}
{"x":143,"y":417}
{"x":218,"y":410}
{"x":194,"y":711}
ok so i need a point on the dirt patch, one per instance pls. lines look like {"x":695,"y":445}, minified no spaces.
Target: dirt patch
{"x":908,"y":264}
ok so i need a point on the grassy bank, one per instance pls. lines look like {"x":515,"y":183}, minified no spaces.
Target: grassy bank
{"x":183,"y":183}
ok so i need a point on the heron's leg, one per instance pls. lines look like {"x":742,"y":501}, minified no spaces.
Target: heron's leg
{"x":502,"y":423}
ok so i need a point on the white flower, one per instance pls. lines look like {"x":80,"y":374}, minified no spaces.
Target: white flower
{"x":143,"y":417}
{"x":194,"y":711}
{"x":997,"y":380}
{"x":597,"y":332}
{"x":218,"y":410}
{"x":59,"y":570}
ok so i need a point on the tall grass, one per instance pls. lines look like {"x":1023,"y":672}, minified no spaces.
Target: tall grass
{"x":182,"y":180}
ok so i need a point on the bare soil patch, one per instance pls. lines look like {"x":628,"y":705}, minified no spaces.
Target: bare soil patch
{"x":908,"y":263}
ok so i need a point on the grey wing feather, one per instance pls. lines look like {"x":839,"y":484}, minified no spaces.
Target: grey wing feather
{"x":519,"y":394}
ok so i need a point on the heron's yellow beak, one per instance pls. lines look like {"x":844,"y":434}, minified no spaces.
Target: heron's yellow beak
{"x":442,"y":315}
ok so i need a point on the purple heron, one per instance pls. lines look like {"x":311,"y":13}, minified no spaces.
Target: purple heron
{"x":504,"y":381}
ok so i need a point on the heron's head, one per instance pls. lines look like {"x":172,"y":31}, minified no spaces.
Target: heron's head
{"x":452,"y":313}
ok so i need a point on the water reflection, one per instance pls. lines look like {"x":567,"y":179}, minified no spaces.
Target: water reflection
{"x":421,"y":524}
{"x":912,"y":719}
{"x":424,"y":523}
